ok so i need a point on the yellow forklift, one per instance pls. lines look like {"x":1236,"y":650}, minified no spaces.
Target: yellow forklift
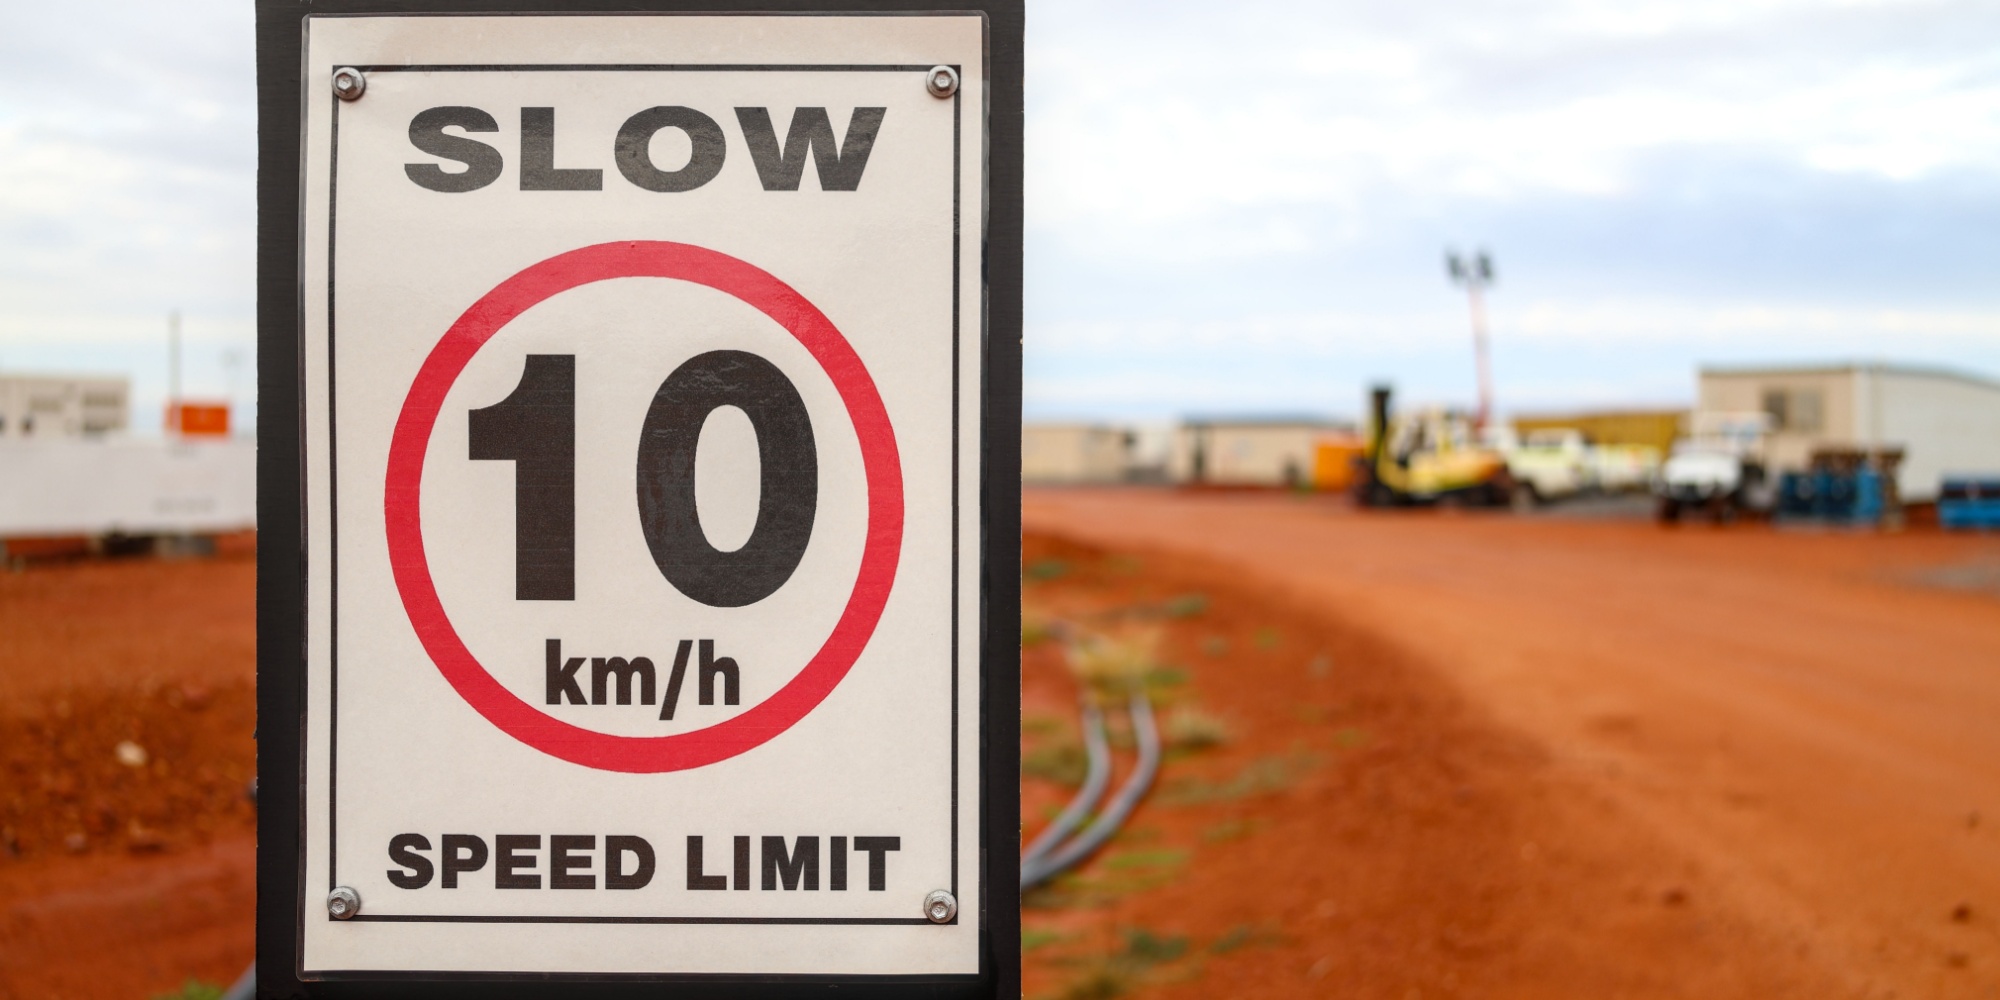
{"x":1432,"y":457}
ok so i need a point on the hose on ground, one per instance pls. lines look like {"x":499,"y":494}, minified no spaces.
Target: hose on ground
{"x":1036,"y":869}
{"x":245,"y":987}
{"x":1098,"y":748}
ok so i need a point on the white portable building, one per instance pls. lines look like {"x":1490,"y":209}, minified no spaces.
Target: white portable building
{"x":1946,"y":422}
{"x":1239,"y":451}
{"x":126,"y":486}
{"x":62,"y":406}
{"x":1055,"y":454}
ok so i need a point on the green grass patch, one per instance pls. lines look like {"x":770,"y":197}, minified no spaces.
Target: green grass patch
{"x":1241,"y":936}
{"x":193,"y":989}
{"x":1350,"y":738}
{"x":1189,"y":729}
{"x":1185,"y":606}
{"x":1146,"y":859}
{"x":1100,"y":982}
{"x":1263,"y":776}
{"x":1038,"y":937}
{"x":1236,"y":828}
{"x":1267,"y":638}
{"x":1124,"y":565}
{"x":1034,"y":632}
{"x":1104,"y":886}
{"x":1043,"y":724}
{"x":1128,"y":968}
{"x":1144,"y":946}
{"x":1044,"y":570}
{"x":1063,"y":763}
{"x":1215,"y":645}
{"x":1236,"y":937}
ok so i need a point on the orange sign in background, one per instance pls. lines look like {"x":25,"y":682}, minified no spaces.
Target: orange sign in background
{"x":198,"y":419}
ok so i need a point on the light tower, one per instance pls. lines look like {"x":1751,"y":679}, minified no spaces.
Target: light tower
{"x":173,"y":420}
{"x":1475,"y":274}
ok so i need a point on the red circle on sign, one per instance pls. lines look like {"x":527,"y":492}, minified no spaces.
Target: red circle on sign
{"x":411,"y":567}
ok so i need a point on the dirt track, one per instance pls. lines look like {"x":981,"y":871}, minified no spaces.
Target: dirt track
{"x":126,"y":878}
{"x":1458,"y":755}
{"x":1801,"y":730}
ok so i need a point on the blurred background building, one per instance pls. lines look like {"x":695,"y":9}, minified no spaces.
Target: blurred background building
{"x":1943,"y":422}
{"x":1249,"y":451}
{"x":1657,"y":428}
{"x":73,"y":478}
{"x":63,"y":406}
{"x":1055,"y":453}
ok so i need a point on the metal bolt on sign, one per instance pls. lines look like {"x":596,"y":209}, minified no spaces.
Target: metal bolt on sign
{"x":942,"y":81}
{"x":940,"y":906}
{"x":343,"y":903}
{"x":348,"y":83}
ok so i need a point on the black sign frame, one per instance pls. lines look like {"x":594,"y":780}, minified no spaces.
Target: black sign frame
{"x":281,"y":558}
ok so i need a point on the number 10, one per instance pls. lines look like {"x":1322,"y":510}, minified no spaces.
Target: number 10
{"x":535,"y":428}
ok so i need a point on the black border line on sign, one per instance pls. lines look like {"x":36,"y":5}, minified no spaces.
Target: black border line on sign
{"x":644,"y":68}
{"x":332,"y":515}
{"x":283,"y":894}
{"x":957,"y":470}
{"x":333,"y":501}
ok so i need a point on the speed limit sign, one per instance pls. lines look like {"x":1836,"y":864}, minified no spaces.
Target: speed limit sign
{"x":645,"y":387}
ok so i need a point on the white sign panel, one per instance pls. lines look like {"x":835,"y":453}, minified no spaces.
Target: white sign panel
{"x":642,"y":369}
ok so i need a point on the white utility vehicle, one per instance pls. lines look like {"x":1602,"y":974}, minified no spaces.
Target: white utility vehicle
{"x":1623,"y":468}
{"x":1552,"y":464}
{"x":1719,"y":471}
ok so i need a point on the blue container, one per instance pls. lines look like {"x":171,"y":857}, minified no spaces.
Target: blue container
{"x":1858,"y":497}
{"x":1795,"y":496}
{"x":1870,"y":497}
{"x":1969,"y":503}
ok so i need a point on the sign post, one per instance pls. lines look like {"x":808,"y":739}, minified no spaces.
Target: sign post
{"x":639,"y":425}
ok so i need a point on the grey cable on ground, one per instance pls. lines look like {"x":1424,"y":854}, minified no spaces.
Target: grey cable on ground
{"x":1038,"y":869}
{"x":245,"y":987}
{"x":1098,"y":748}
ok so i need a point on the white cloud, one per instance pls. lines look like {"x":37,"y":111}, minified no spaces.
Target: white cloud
{"x":1551,"y":323}
{"x":1327,"y":105}
{"x":1549,"y":354}
{"x":127,"y":169}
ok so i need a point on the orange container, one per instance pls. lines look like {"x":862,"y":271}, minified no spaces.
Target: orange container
{"x":1333,"y":463}
{"x":198,"y":419}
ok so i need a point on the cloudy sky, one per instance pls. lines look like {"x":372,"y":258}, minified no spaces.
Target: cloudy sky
{"x":1250,"y":211}
{"x":128,"y":145}
{"x":1240,"y":211}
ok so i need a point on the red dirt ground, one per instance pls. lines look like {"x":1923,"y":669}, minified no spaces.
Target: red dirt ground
{"x":119,"y":880}
{"x":1362,"y":833}
{"x":1602,"y":758}
{"x":1458,"y":756}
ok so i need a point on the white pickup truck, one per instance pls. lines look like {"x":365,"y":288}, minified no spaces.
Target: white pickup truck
{"x":1622,"y":468}
{"x":1719,"y":472}
{"x":1550,"y":464}
{"x":1555,"y":463}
